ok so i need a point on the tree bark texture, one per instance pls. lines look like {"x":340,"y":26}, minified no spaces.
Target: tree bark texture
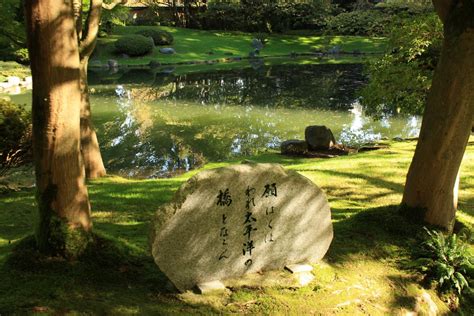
{"x":431,"y":183}
{"x":64,"y":210}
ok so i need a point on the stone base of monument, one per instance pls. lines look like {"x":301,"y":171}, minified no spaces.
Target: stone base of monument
{"x":301,"y":272}
{"x":210,"y":287}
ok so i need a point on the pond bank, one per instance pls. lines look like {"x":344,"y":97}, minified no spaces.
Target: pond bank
{"x":216,"y":46}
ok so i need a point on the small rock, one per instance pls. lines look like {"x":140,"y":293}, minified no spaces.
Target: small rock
{"x":112,"y":63}
{"x":167,"y":50}
{"x":298,"y":268}
{"x":294,"y":147}
{"x":257,"y":44}
{"x":154,"y":64}
{"x":335,"y":50}
{"x":14,"y":81}
{"x":211,"y":286}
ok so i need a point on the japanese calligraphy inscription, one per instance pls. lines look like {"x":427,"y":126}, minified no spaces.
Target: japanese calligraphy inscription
{"x":245,"y":218}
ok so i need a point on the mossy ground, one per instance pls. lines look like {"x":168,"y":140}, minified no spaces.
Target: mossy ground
{"x":361,"y":274}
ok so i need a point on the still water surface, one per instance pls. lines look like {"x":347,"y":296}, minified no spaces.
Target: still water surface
{"x":155,"y":123}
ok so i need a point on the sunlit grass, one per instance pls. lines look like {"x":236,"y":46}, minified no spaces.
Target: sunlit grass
{"x":197,"y":45}
{"x":361,"y":274}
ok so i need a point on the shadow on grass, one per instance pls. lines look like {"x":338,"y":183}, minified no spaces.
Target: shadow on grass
{"x":109,"y":278}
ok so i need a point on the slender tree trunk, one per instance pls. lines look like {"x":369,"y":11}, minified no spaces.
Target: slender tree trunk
{"x":431,"y":183}
{"x":94,"y":165}
{"x":64,"y":210}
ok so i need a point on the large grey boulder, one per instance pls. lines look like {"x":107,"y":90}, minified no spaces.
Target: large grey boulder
{"x":246,"y":218}
{"x":319,"y":137}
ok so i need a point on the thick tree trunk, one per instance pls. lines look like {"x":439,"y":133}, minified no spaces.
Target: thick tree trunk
{"x":431,"y":184}
{"x":64,"y":210}
{"x":94,"y":165}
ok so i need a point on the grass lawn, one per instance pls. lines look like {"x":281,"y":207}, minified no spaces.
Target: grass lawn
{"x":361,"y":274}
{"x":197,"y":45}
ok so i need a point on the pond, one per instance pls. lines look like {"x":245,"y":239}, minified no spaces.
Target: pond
{"x":159,"y":122}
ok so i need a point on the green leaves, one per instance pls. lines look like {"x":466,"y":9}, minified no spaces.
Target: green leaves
{"x":446,"y":260}
{"x":400,"y":80}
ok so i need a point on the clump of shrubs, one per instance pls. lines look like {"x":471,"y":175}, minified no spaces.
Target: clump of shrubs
{"x":361,"y":22}
{"x":159,"y":37}
{"x":15,"y":135}
{"x":134,"y":45}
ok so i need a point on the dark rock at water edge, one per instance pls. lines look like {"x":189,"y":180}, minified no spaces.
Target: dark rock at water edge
{"x":154,"y":64}
{"x":294,"y":147}
{"x":319,"y":137}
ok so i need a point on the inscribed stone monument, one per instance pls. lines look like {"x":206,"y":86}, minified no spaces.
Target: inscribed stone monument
{"x":245,"y":218}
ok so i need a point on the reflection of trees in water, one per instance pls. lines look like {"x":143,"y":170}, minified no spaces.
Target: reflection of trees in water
{"x":321,"y":86}
{"x":134,"y":147}
{"x":151,"y":137}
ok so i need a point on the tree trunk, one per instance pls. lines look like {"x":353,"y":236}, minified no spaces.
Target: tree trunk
{"x":64,"y":210}
{"x":431,"y":183}
{"x":94,"y":165}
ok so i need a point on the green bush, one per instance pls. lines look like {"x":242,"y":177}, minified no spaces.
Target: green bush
{"x":21,"y":56}
{"x":134,"y":45}
{"x":159,"y":37}
{"x":400,"y":80}
{"x":15,"y":135}
{"x":265,"y":16}
{"x":447,"y":261}
{"x":365,"y":23}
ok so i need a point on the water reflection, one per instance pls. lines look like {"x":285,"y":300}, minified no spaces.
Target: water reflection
{"x":154,"y":123}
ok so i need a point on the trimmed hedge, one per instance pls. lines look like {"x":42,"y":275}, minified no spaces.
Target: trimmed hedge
{"x":159,"y":37}
{"x":134,"y":45}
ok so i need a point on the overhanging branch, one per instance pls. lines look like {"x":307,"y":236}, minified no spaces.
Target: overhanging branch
{"x":113,"y":4}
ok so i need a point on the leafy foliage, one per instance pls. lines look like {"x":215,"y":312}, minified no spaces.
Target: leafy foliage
{"x":21,"y":56}
{"x":447,"y":261}
{"x":360,"y":22}
{"x":134,"y":45}
{"x":400,"y":80}
{"x":160,"y":37}
{"x":15,"y":135}
{"x":265,"y":16}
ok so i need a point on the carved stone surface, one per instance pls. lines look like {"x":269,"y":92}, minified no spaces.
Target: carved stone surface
{"x":245,"y":218}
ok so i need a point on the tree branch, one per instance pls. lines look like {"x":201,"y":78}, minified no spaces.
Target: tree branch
{"x":17,"y":40}
{"x":113,"y":4}
{"x":77,"y":9}
{"x":91,"y":31}
{"x":443,"y":8}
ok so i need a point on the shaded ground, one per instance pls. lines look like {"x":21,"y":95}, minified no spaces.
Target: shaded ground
{"x":361,"y":274}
